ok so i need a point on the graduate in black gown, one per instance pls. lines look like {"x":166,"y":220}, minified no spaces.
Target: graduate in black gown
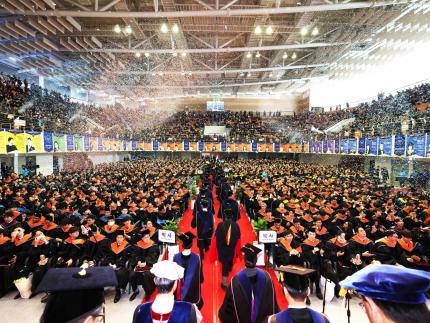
{"x":203,"y":220}
{"x":189,"y":288}
{"x":227,"y":236}
{"x":250,"y":297}
{"x":144,"y":255}
{"x":296,"y":290}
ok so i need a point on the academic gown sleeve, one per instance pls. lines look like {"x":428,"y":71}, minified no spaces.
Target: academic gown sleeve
{"x":227,"y":312}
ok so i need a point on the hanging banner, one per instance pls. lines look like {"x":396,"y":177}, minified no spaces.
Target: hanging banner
{"x":318,"y":147}
{"x":59,"y":142}
{"x":140,"y":145}
{"x":193,"y":146}
{"x":416,"y":146}
{"x":147,"y":146}
{"x":352,"y":146}
{"x":33,"y":141}
{"x":277,"y":147}
{"x":344,"y":146}
{"x":399,"y":145}
{"x":230,"y":147}
{"x":254,"y":146}
{"x":325,"y":147}
{"x":93,"y":143}
{"x":330,"y":146}
{"x":362,"y":145}
{"x":385,"y":146}
{"x":155,"y":145}
{"x":223,"y":146}
{"x":70,"y":143}
{"x":186,"y":145}
{"x":99,"y":143}
{"x":133,"y":145}
{"x":87,"y":146}
{"x":372,"y":146}
{"x":305,"y":147}
{"x":201,"y":146}
{"x":13,"y":140}
{"x":337,"y":146}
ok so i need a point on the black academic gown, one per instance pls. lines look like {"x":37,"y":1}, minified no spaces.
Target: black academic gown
{"x":237,"y":305}
{"x":226,"y":249}
{"x":189,"y":289}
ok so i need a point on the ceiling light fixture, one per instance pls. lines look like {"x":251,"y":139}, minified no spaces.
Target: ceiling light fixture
{"x":117,"y":29}
{"x":137,"y":54}
{"x":248,"y":55}
{"x":258,"y":30}
{"x":269,"y":30}
{"x":175,"y":28}
{"x":164,"y":29}
{"x":147,"y":54}
{"x":257,"y":55}
{"x":127,"y":30}
{"x":285,"y":56}
{"x":249,"y":75}
{"x":315,"y":31}
{"x":184,"y":54}
{"x":161,"y":73}
{"x":175,"y":54}
{"x":304,"y":31}
{"x":271,"y":74}
{"x":294,"y":56}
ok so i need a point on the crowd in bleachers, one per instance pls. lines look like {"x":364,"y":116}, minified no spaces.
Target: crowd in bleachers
{"x":51,"y":111}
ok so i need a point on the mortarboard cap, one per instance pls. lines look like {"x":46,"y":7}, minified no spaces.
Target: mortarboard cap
{"x":168,"y":269}
{"x":250,"y":251}
{"x":390,"y":283}
{"x":72,"y":299}
{"x":187,"y":239}
{"x":295,"y":278}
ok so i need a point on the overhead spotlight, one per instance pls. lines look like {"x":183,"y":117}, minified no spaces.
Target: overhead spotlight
{"x":248,"y":75}
{"x":147,"y":54}
{"x":294,"y":56}
{"x":189,"y":74}
{"x":128,"y":30}
{"x":164,"y":29}
{"x":160,"y":74}
{"x":117,"y":29}
{"x":153,"y":74}
{"x":269,"y":30}
{"x":271,"y":74}
{"x":175,"y":54}
{"x":137,"y":54}
{"x":285,"y":56}
{"x":184,"y":54}
{"x":241,"y":74}
{"x":248,"y":55}
{"x":315,"y":31}
{"x":304,"y":31}
{"x":175,"y":28}
{"x":258,"y":30}
{"x":257,"y":55}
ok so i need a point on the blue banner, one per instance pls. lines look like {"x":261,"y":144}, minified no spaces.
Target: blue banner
{"x":278,"y":147}
{"x":99,"y":143}
{"x":318,"y":147}
{"x":330,"y":146}
{"x":416,"y":146}
{"x":223,"y":146}
{"x":87,"y":145}
{"x":427,"y":145}
{"x":372,"y":146}
{"x":254,"y":146}
{"x":133,"y":145}
{"x":69,"y":143}
{"x":385,"y":146}
{"x":201,"y":146}
{"x":362,"y":146}
{"x":186,"y":145}
{"x":48,"y":143}
{"x":325,"y":146}
{"x":337,"y":146}
{"x":155,"y":145}
{"x":399,"y":145}
{"x":352,"y":146}
{"x":344,"y":146}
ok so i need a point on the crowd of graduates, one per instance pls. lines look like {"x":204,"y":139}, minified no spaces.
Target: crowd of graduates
{"x":335,"y":220}
{"x":332,"y":220}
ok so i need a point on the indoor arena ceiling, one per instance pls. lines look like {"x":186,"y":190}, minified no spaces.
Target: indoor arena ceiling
{"x":156,"y":48}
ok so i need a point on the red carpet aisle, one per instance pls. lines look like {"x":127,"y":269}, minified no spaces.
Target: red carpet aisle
{"x":212,"y":293}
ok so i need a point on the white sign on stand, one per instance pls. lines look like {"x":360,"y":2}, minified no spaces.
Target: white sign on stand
{"x":260,"y":256}
{"x":166,"y":236}
{"x":267,"y":236}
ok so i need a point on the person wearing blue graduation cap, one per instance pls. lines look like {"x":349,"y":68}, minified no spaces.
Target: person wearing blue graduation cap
{"x":189,"y":288}
{"x":391,"y":293}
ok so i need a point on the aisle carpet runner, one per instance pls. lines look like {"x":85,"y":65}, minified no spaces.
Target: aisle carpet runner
{"x":212,"y":293}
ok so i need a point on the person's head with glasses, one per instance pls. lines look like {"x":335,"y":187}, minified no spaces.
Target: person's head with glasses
{"x":391,"y":294}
